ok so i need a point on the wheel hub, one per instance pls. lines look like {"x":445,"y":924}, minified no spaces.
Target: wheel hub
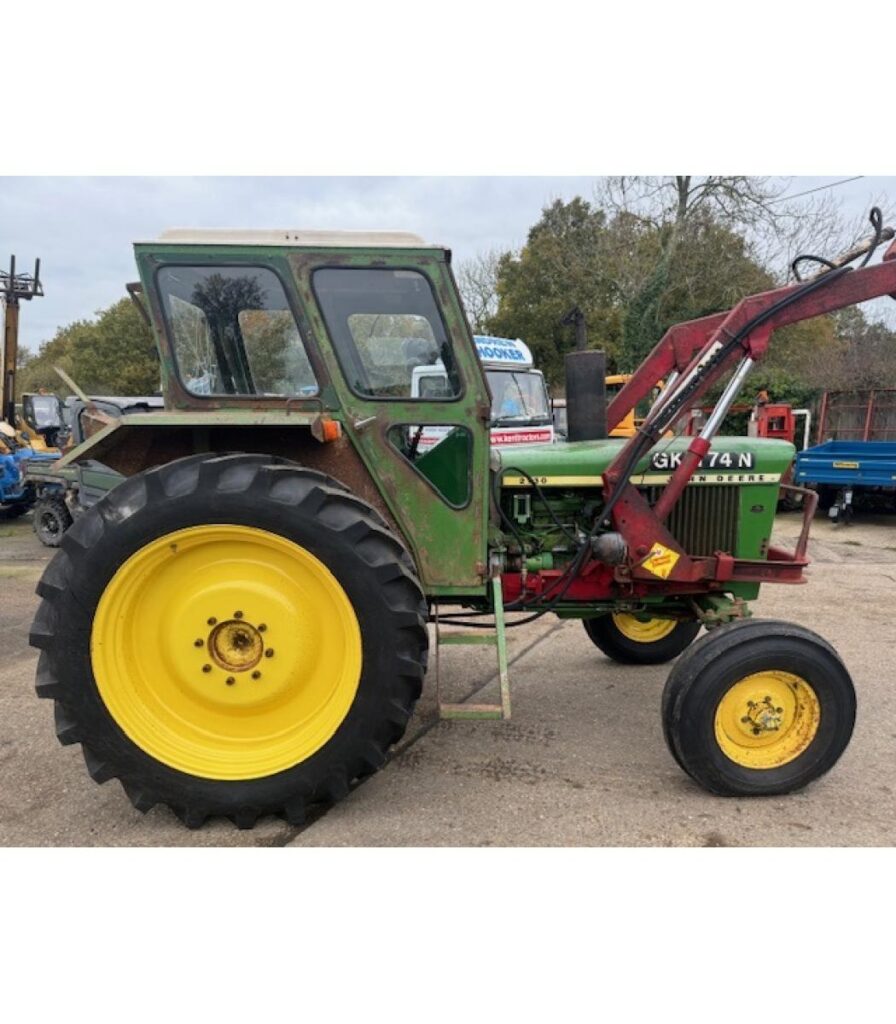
{"x":767,"y":719}
{"x":236,"y":645}
{"x":50,"y":524}
{"x":762,"y":716}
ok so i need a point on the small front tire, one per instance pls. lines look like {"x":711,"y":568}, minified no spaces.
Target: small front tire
{"x":758,"y":708}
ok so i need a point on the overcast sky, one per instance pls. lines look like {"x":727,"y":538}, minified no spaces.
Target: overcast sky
{"x":82,"y":228}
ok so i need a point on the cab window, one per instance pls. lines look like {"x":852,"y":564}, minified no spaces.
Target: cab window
{"x":233,"y":332}
{"x":384,"y":324}
{"x":43,"y":411}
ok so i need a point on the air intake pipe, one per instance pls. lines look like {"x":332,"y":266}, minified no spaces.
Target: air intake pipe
{"x":586,"y":395}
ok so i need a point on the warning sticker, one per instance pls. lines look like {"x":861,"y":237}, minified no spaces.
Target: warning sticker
{"x":661,"y":560}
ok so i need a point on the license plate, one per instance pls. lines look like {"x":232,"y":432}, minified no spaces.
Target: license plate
{"x":713,"y":460}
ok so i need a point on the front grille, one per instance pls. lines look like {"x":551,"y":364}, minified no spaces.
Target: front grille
{"x":705,"y":518}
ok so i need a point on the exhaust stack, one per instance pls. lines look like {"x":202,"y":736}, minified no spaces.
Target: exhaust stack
{"x":586,"y":395}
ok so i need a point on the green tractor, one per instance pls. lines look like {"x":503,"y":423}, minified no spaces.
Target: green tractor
{"x":239,"y":628}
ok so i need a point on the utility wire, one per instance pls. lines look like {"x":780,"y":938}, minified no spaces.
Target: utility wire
{"x":820,"y":188}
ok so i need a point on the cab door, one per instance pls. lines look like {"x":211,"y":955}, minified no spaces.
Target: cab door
{"x":376,"y":317}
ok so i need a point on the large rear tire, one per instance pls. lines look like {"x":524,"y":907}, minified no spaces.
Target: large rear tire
{"x":640,"y":639}
{"x":758,"y":708}
{"x":230,"y":636}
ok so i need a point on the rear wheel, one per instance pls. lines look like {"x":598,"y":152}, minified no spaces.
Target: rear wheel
{"x":636,"y":639}
{"x":758,"y":708}
{"x":50,"y":520}
{"x":231,"y":637}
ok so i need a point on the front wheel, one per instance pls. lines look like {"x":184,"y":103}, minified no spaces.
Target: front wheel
{"x":640,"y":639}
{"x":758,"y":708}
{"x":230,"y":636}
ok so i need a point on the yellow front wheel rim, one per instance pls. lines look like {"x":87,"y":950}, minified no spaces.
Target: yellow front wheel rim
{"x":641,"y":629}
{"x":226,"y":652}
{"x":767,"y":719}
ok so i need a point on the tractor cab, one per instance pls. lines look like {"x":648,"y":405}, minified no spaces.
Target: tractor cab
{"x":44,"y":420}
{"x":307,"y":345}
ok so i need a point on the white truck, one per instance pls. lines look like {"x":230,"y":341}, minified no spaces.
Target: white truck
{"x":521,"y":410}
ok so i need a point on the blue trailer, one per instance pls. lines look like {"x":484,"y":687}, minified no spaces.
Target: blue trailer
{"x":856,"y":456}
{"x":839,"y":470}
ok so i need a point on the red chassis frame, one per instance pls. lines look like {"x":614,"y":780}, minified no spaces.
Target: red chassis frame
{"x":682,"y":351}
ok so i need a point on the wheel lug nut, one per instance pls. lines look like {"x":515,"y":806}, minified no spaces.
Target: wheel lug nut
{"x":745,"y":719}
{"x":779,"y":711}
{"x":230,"y":680}
{"x":198,"y":643}
{"x":237,"y":615}
{"x":212,"y":621}
{"x":261,"y":627}
{"x":256,"y":675}
{"x":206,"y":668}
{"x":756,"y":730}
{"x":269,"y":653}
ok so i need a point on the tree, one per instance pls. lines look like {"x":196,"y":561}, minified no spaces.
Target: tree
{"x":863,"y":357}
{"x":113,"y":354}
{"x":477,"y":281}
{"x":561,"y":265}
{"x":770,"y":228}
{"x":577,"y":255}
{"x":116,"y":354}
{"x":38,"y":371}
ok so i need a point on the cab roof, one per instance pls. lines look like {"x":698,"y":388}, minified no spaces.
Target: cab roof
{"x":503,"y":351}
{"x":295,"y":237}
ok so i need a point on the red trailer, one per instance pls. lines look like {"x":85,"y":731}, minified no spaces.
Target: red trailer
{"x":868,"y":415}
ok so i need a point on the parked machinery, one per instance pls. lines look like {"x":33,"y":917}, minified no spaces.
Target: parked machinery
{"x":240,"y":627}
{"x":855,"y":457}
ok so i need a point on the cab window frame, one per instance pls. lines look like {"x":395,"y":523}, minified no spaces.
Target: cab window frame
{"x":467,"y":432}
{"x":365,"y":397}
{"x":317,"y":364}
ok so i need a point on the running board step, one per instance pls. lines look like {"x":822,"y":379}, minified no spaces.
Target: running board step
{"x":496,"y":638}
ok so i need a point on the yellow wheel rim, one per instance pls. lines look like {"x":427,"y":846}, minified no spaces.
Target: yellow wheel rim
{"x":226,"y":652}
{"x":641,"y":629}
{"x":767,"y":719}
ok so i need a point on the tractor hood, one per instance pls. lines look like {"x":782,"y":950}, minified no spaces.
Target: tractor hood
{"x":732,"y":460}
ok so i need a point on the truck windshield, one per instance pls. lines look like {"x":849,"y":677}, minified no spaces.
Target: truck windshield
{"x":518,"y":397}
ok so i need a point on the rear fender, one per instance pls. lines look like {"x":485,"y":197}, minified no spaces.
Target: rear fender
{"x":143,"y":440}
